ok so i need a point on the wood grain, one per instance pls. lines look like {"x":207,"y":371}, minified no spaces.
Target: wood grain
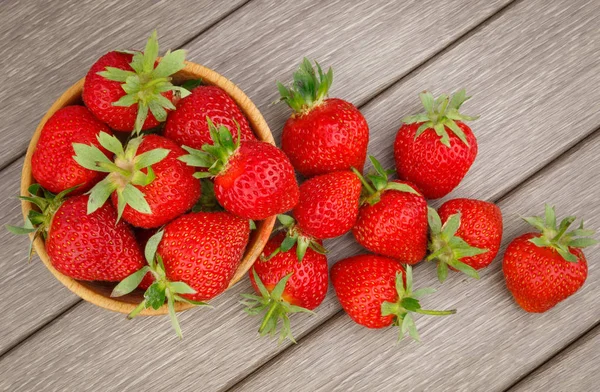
{"x":490,"y":342}
{"x":48,"y":45}
{"x":575,"y":369}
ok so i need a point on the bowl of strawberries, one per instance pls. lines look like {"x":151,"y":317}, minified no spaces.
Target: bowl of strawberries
{"x":152,"y":184}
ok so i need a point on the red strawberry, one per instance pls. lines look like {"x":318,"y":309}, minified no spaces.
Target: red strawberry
{"x":434,"y":150}
{"x":328,"y":204}
{"x":203,"y":249}
{"x":469,"y":238}
{"x":82,"y":246}
{"x":147,"y":183}
{"x":121,"y":88}
{"x":322,"y":135}
{"x":542,"y":269}
{"x":143,"y":236}
{"x":376,"y":292}
{"x":392,"y":220}
{"x":187,"y":125}
{"x":286,"y":285}
{"x":52,"y":163}
{"x":253,"y":180}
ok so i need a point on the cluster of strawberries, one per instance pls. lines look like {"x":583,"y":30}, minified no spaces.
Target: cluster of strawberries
{"x":157,"y":186}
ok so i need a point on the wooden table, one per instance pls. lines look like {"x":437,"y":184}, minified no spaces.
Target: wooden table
{"x":533,"y":67}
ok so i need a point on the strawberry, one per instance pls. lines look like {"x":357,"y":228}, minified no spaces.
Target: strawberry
{"x":187,"y":124}
{"x":82,"y":246}
{"x":328,"y":204}
{"x":434,"y":150}
{"x":469,"y":238}
{"x":392,"y":220}
{"x":252,"y":179}
{"x":541,"y":269}
{"x":285,"y":285}
{"x":52,"y":163}
{"x":323,"y":134}
{"x":377,"y":292}
{"x":147,"y":182}
{"x":122,"y":87}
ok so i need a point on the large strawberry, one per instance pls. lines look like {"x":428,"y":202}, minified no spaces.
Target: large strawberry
{"x":465,"y":236}
{"x":147,"y":182}
{"x":285,"y":285}
{"x":392,"y":220}
{"x":187,"y":124}
{"x":252,"y":179}
{"x":434,"y":150}
{"x":52,"y":163}
{"x":122,"y":87}
{"x":323,"y":134}
{"x":377,"y":292}
{"x":543,"y":268}
{"x":80,"y":245}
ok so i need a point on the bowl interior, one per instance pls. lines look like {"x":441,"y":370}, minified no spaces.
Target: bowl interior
{"x":98,"y":293}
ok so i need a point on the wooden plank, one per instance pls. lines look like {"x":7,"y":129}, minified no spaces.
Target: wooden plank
{"x":575,"y":369}
{"x":221,"y":335}
{"x":46,"y":48}
{"x":489,"y":343}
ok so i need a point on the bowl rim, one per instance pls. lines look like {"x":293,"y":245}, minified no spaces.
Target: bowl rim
{"x":255,"y":246}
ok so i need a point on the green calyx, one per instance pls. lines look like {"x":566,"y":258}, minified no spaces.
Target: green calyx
{"x":123,"y":173}
{"x":376,"y":183}
{"x":37,"y":222}
{"x":146,"y":83}
{"x":441,"y":113}
{"x":407,"y":303}
{"x":447,"y":248}
{"x":208,"y":201}
{"x":161,"y":290}
{"x":294,"y":236}
{"x":557,"y":237}
{"x":214,"y":156}
{"x":308,"y":88}
{"x":274,"y":306}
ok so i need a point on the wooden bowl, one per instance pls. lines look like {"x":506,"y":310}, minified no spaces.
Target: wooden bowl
{"x":98,"y":293}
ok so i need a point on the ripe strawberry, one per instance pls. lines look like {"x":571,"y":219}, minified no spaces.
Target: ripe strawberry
{"x":434,"y":150}
{"x":121,"y":87}
{"x":52,"y":163}
{"x":285,"y":285}
{"x":542,"y":269}
{"x":392,"y":220}
{"x":147,"y":182}
{"x":253,"y":180}
{"x":82,"y":246}
{"x":469,"y":238}
{"x":323,"y":134}
{"x":376,"y":292}
{"x":187,"y":125}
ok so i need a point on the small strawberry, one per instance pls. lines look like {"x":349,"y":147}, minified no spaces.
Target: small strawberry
{"x":122,"y":87}
{"x":323,"y":134}
{"x":147,"y":182}
{"x":204,"y":249}
{"x":469,"y":238}
{"x":80,"y":245}
{"x":52,"y":163}
{"x":252,"y":179}
{"x":392,"y":220}
{"x":159,"y":288}
{"x":187,"y":124}
{"x":434,"y":150}
{"x":285,"y":285}
{"x":542,"y":269}
{"x":377,"y":292}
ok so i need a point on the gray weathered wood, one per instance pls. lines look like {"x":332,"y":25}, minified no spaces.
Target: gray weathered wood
{"x":489,"y":343}
{"x":574,"y":370}
{"x":231,"y":339}
{"x":48,"y":45}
